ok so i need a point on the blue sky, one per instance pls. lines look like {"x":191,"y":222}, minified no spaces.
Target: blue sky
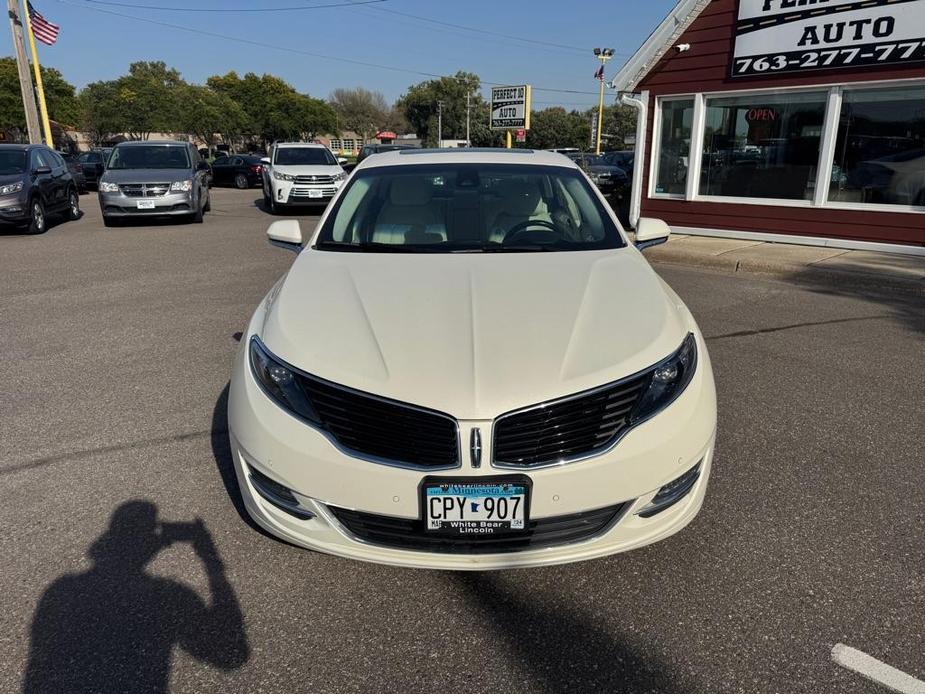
{"x":95,"y":45}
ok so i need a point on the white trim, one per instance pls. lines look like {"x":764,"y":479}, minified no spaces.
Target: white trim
{"x":827,"y":150}
{"x":657,"y":146}
{"x":695,"y":152}
{"x":770,"y":202}
{"x":896,"y":248}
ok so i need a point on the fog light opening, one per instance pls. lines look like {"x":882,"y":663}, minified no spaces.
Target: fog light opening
{"x":278,"y":495}
{"x":671,"y":493}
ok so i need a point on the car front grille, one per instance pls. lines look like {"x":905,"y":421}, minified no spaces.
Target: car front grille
{"x":385,"y":430}
{"x":566,"y":429}
{"x":405,"y":533}
{"x":303,"y":192}
{"x":315,"y":180}
{"x":144,"y":190}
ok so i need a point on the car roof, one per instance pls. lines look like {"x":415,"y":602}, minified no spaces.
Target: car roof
{"x":14,"y":145}
{"x":467,"y":155}
{"x":139,"y":143}
{"x":299,"y":144}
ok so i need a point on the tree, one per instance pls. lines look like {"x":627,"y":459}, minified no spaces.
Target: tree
{"x":419,"y":105}
{"x":555,"y":127}
{"x":149,"y":97}
{"x":60,"y":97}
{"x":363,"y":111}
{"x":208,"y":114}
{"x":99,"y":107}
{"x":619,"y":122}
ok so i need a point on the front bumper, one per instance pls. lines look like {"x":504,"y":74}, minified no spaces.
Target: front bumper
{"x":267,"y":439}
{"x":120,"y":205}
{"x":292,"y":193}
{"x":14,"y":210}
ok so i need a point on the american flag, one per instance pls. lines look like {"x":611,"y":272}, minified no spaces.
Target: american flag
{"x":599,"y":75}
{"x":42,"y":29}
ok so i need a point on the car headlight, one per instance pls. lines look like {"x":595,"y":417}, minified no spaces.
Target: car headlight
{"x":342,"y":176}
{"x":667,"y":380}
{"x":11,"y":188}
{"x":280,"y":382}
{"x":182,"y":186}
{"x":109,"y":187}
{"x":280,"y":176}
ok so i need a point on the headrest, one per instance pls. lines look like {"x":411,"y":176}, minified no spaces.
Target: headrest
{"x":411,"y":190}
{"x":519,"y":198}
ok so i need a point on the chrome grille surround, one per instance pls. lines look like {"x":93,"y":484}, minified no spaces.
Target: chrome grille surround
{"x":144,"y":190}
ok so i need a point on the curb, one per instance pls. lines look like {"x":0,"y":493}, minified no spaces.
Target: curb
{"x":803,"y":273}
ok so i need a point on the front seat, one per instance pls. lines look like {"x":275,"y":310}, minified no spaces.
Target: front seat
{"x":521,"y":202}
{"x":410,"y":215}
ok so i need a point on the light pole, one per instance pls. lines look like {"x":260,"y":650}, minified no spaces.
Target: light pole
{"x":603,"y":54}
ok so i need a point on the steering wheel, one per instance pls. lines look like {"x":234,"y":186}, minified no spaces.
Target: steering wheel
{"x":550,"y":232}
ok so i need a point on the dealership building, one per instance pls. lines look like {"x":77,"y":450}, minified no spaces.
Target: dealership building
{"x":784,"y":120}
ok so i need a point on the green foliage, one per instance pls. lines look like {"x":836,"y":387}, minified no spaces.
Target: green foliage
{"x":555,"y":127}
{"x":419,"y":104}
{"x":206,"y":114}
{"x":360,"y":110}
{"x":59,"y":97}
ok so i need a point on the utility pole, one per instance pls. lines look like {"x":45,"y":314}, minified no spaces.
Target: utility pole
{"x":25,"y":80}
{"x":49,"y":140}
{"x":468,"y":112}
{"x":439,"y":124}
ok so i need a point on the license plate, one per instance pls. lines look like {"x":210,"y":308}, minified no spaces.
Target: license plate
{"x":145,"y":204}
{"x":314,"y":193}
{"x":475,"y":507}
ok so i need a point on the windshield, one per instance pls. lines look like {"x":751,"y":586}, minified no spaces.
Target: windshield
{"x":149,"y":157}
{"x":12,"y":162}
{"x":302,"y":156}
{"x":468,"y":207}
{"x":90,"y":157}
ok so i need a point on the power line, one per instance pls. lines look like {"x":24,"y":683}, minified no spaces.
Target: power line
{"x":297,"y":51}
{"x":292,"y":8}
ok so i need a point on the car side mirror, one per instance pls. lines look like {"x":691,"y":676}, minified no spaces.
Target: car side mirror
{"x":38,"y":171}
{"x":286,"y":233}
{"x":264,"y":160}
{"x":651,"y":232}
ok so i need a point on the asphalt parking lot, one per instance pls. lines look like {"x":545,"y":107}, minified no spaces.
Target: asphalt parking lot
{"x":117,"y":349}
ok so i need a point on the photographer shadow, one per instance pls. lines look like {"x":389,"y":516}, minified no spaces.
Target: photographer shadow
{"x":114,"y":626}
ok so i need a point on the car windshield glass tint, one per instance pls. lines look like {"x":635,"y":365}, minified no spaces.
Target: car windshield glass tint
{"x":468,"y":208}
{"x":90,"y":157}
{"x":149,"y":157}
{"x":302,"y":156}
{"x":12,"y":162}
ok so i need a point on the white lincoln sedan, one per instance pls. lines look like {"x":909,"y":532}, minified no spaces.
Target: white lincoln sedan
{"x":469,"y":366}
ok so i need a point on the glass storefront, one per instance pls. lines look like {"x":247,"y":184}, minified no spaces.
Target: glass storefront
{"x":880,"y":147}
{"x":677,"y":117}
{"x":762,"y":145}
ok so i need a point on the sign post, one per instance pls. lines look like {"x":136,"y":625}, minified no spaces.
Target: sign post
{"x":510,"y":109}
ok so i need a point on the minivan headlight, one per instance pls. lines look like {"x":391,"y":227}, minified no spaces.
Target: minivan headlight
{"x":667,"y":380}
{"x":106,"y":187}
{"x":182,"y":186}
{"x":280,"y":176}
{"x":11,"y":188}
{"x":280,"y":382}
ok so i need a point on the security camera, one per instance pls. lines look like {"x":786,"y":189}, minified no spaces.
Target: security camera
{"x":683,"y":47}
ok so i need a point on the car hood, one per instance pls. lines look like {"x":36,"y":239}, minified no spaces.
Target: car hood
{"x":473,"y":335}
{"x":6,"y":179}
{"x":146,"y":175}
{"x":309,"y":170}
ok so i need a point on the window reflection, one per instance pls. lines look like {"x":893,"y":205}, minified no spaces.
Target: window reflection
{"x":674,"y":146}
{"x":762,"y":146}
{"x":880,"y":150}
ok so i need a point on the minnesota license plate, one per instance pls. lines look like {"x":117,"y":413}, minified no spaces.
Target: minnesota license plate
{"x":145,"y":204}
{"x":475,"y":507}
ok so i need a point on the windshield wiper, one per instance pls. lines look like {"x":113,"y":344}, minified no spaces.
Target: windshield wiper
{"x":374,"y":247}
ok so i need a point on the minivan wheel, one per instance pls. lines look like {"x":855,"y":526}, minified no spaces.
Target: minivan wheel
{"x":240,"y":181}
{"x":208,"y":206}
{"x":73,"y":205}
{"x":38,"y":222}
{"x":197,"y":216}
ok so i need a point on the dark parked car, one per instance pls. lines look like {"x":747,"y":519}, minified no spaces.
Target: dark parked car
{"x":77,"y":171}
{"x":34,"y":183}
{"x":610,"y":179}
{"x":625,"y":159}
{"x":238,"y":170}
{"x":93,"y":163}
{"x":375,"y":149}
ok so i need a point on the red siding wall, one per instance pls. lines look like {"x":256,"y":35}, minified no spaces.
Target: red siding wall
{"x":705,"y":68}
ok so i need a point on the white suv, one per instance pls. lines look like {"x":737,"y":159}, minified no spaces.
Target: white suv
{"x":300,"y":173}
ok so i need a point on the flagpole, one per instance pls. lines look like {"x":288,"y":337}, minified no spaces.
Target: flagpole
{"x":38,"y":76}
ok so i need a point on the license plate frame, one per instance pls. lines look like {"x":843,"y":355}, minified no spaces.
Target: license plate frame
{"x":145,"y":204}
{"x":315,"y":194}
{"x":470,"y":488}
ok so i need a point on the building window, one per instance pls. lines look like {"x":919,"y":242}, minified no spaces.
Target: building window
{"x":676,"y":118}
{"x":762,"y":145}
{"x":880,"y":147}
{"x":336,"y":146}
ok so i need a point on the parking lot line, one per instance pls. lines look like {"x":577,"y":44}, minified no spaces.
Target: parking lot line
{"x":876,"y":671}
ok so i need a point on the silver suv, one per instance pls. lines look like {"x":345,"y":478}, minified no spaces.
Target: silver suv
{"x":152,"y":179}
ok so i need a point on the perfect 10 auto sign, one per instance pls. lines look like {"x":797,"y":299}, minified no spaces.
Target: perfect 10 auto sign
{"x":775,"y":37}
{"x":510,"y":108}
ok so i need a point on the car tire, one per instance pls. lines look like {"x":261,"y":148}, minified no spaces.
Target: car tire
{"x":208,"y":206}
{"x":241,"y":182}
{"x":73,"y":205}
{"x":38,"y":221}
{"x":197,"y":216}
